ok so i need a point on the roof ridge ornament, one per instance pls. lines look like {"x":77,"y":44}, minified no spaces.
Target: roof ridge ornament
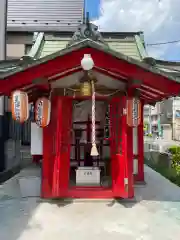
{"x":87,"y":30}
{"x":149,"y":60}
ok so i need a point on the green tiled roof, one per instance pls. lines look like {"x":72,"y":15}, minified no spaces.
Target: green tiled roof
{"x":52,"y":46}
{"x":27,"y":61}
{"x":130,"y":46}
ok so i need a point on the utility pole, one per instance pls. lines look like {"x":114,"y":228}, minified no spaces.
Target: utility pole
{"x":3,"y":25}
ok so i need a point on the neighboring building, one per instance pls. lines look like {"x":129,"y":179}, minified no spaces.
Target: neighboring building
{"x":165,"y":115}
{"x":28,"y":16}
{"x":147,"y":109}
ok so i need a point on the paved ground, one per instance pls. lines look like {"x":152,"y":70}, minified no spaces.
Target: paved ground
{"x":154,"y":215}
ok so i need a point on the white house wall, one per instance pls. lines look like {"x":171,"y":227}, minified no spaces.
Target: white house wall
{"x":15,"y":50}
{"x":36,"y":139}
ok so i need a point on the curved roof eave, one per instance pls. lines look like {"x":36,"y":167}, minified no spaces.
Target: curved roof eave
{"x":89,"y":43}
{"x":140,"y":46}
{"x":134,"y":71}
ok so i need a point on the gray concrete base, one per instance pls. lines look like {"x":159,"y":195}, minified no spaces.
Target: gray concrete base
{"x":140,"y":184}
{"x":154,"y":214}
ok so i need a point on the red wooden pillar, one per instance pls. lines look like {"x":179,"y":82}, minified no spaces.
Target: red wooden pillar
{"x":121,"y":150}
{"x":56,"y":149}
{"x":140,"y":174}
{"x":62,"y":147}
{"x":49,"y":139}
{"x":130,"y":158}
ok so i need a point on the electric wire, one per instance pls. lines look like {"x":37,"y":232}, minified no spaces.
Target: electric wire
{"x":162,"y":43}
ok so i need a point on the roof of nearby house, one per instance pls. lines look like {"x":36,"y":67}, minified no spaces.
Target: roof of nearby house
{"x":44,"y":15}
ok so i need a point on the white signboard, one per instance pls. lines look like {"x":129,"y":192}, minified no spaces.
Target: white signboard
{"x":36,"y":139}
{"x":88,"y":176}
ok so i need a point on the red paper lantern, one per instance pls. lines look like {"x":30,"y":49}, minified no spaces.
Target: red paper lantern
{"x":42,"y":112}
{"x":19,"y":106}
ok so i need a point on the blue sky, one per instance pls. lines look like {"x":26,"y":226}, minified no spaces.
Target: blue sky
{"x":159,"y":20}
{"x":93,"y":7}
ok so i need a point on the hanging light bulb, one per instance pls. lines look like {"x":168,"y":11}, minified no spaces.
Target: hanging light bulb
{"x":87,"y":62}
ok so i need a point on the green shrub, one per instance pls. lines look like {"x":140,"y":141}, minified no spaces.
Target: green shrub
{"x":174,"y":149}
{"x":172,"y":173}
{"x":175,"y":164}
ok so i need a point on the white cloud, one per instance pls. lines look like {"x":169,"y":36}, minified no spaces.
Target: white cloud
{"x":158,"y":19}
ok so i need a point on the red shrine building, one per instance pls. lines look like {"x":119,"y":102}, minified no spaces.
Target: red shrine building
{"x":92,"y":144}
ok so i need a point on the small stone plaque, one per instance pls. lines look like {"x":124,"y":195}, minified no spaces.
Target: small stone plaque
{"x":88,"y":176}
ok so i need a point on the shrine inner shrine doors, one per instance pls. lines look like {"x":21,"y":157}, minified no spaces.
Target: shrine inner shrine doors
{"x":56,"y":151}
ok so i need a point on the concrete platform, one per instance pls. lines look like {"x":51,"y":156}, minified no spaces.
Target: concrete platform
{"x":12,"y":188}
{"x":155,"y":214}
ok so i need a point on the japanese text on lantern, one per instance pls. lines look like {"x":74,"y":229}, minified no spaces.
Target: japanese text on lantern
{"x":39,"y":113}
{"x":42,"y":112}
{"x":135,"y":112}
{"x":17,"y":107}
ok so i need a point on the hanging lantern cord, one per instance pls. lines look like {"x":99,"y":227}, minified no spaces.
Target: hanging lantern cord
{"x":94,"y":151}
